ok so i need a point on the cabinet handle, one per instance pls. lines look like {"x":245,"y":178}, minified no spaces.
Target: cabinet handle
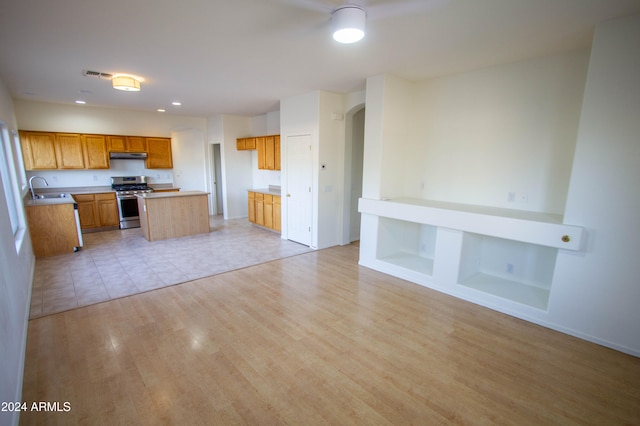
{"x":566,"y":238}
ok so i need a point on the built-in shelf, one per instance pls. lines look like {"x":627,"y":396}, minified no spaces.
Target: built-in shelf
{"x":513,"y":270}
{"x":531,"y":227}
{"x":516,"y":291}
{"x":463,"y":249}
{"x":408,"y":245}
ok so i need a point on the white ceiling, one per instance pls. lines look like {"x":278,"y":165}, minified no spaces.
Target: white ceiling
{"x":243,"y":56}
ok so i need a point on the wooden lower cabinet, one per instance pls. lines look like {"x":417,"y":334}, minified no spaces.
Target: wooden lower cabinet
{"x":97,"y":210}
{"x":265,"y":210}
{"x":277,"y":213}
{"x":52,"y":228}
{"x":252,"y":206}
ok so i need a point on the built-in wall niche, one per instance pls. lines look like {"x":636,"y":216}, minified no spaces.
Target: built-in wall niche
{"x":409,"y":245}
{"x":512,"y":270}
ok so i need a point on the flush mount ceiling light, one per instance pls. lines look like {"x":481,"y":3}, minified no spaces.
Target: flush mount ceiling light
{"x":126,"y":83}
{"x":348,"y":23}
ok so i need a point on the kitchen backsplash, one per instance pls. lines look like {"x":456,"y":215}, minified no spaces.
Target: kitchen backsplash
{"x":76,"y":178}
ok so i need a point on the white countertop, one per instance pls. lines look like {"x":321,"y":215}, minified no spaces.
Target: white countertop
{"x":154,"y":195}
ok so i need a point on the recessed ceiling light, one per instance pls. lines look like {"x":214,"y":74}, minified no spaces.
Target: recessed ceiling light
{"x":161,"y":110}
{"x":176,"y":103}
{"x":81,"y":102}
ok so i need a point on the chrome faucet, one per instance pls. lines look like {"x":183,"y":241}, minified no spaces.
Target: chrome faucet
{"x":33,"y":194}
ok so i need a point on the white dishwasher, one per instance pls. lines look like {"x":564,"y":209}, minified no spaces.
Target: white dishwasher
{"x":78,"y":229}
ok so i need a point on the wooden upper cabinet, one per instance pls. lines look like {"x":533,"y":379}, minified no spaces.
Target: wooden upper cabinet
{"x":96,"y":155}
{"x":50,"y":151}
{"x":117,"y":143}
{"x":246,"y":144}
{"x":69,"y":151}
{"x":127,"y":144}
{"x":250,"y":143}
{"x":268,"y":152}
{"x":159,"y":153}
{"x":260,"y":146}
{"x":136,"y":144}
{"x":277,"y":152}
{"x":38,"y":150}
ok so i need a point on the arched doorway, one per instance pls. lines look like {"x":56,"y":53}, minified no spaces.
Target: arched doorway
{"x":354,"y":151}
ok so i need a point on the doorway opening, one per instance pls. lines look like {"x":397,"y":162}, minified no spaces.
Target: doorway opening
{"x":217,"y":206}
{"x":354,"y":157}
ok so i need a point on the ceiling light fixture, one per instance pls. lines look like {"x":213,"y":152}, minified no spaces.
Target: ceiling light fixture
{"x":176,"y":103}
{"x":126,"y":83}
{"x":348,"y":24}
{"x":80,"y":102}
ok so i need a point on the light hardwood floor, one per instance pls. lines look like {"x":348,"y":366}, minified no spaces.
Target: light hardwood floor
{"x":314,"y":339}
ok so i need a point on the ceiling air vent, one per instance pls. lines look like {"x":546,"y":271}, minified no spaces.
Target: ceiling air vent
{"x":97,"y":74}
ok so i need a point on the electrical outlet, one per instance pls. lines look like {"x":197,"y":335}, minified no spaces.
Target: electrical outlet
{"x":523,"y":197}
{"x":509,"y":268}
{"x":511,"y":197}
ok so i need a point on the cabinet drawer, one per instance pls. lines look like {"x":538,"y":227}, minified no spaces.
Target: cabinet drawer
{"x":83,"y":197}
{"x":106,"y":196}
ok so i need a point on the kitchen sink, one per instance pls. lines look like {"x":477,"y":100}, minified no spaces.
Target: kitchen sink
{"x":43,"y":196}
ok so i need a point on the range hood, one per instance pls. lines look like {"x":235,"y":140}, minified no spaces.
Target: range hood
{"x":128,"y":155}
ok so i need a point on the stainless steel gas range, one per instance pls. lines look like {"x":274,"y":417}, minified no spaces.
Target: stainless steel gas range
{"x":126,"y":188}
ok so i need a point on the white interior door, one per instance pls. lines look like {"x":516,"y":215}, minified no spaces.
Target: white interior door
{"x":299,"y":179}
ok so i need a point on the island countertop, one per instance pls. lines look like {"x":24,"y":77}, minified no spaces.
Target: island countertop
{"x":173,"y":214}
{"x":154,"y":195}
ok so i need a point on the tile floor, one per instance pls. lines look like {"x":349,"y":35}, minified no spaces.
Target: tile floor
{"x":120,"y":263}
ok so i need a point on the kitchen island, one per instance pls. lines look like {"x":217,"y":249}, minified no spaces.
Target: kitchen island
{"x":166,"y":215}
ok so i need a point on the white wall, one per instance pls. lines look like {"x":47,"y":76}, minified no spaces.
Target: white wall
{"x":483,"y":134}
{"x":236,"y":165}
{"x":15,"y":292}
{"x":320,"y":115}
{"x":514,"y":127}
{"x":596,"y":294}
{"x":331,"y":167}
{"x":266,"y":124}
{"x":189,"y":160}
{"x":299,"y":116}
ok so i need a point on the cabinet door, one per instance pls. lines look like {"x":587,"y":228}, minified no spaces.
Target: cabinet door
{"x":260,"y":146}
{"x":117,"y":143}
{"x":96,"y":156}
{"x":277,"y":213}
{"x":277,"y":152}
{"x":269,"y":153}
{"x":39,"y":150}
{"x":259,"y":209}
{"x":268,"y":211}
{"x":87,"y":211}
{"x":136,"y":144}
{"x":252,"y":206}
{"x":240,"y":144}
{"x":69,"y":151}
{"x":107,"y":209}
{"x":250,"y":143}
{"x":159,"y":150}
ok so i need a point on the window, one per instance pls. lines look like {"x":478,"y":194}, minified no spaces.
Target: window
{"x":11,"y":184}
